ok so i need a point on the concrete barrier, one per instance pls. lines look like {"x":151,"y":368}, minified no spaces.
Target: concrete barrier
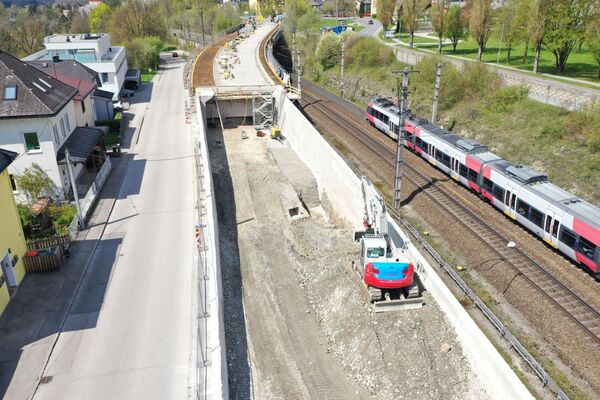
{"x":212,"y":380}
{"x":342,"y":187}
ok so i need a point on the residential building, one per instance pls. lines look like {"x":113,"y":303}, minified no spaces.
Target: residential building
{"x":38,"y":120}
{"x":92,"y":50}
{"x":12,"y":239}
{"x":78,"y":76}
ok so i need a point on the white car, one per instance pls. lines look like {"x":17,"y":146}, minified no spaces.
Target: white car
{"x":390,"y":34}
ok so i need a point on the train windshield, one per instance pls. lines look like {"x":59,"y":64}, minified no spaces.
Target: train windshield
{"x":374,"y":252}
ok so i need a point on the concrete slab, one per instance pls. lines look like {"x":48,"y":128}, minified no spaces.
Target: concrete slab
{"x":243,"y":63}
{"x":296,"y":172}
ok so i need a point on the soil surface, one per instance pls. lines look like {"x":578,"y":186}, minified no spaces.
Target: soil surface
{"x":297,"y":323}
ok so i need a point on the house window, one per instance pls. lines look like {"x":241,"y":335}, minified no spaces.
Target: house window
{"x":83,"y":106}
{"x":62,"y":128}
{"x":67,"y":123}
{"x":10,"y":92}
{"x":13,"y":183}
{"x":55,"y":131}
{"x":31,"y":141}
{"x":104,"y":77}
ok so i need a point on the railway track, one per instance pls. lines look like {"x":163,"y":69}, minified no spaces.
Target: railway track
{"x":348,"y":117}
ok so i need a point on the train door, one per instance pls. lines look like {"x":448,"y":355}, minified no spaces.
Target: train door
{"x":510,"y":202}
{"x":431,"y":152}
{"x":455,"y":169}
{"x":551,"y":226}
{"x":393,"y":130}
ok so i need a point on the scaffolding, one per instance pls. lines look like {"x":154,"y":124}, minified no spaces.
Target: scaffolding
{"x":262,"y":110}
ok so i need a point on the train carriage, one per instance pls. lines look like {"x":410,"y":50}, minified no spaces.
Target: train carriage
{"x":565,"y":222}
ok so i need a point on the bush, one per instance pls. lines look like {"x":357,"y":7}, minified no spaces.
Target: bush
{"x":62,"y":216}
{"x":329,"y":51}
{"x":366,"y":52}
{"x":144,"y":52}
{"x":503,"y":98}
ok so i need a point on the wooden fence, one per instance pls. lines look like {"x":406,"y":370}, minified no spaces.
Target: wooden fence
{"x":46,"y":255}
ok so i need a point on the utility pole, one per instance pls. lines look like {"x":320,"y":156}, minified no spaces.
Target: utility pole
{"x":342,"y":72}
{"x":402,"y":105}
{"x":293,"y":48}
{"x":202,"y":22}
{"x":74,"y":187}
{"x":299,"y":76}
{"x":436,"y":94}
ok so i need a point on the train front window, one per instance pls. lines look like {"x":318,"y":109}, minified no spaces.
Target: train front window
{"x":587,"y":248}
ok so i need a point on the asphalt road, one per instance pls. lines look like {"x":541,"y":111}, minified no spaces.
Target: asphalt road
{"x":369,"y":29}
{"x":129,"y":332}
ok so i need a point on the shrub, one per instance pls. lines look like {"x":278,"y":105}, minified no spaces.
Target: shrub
{"x":366,"y":52}
{"x":329,"y":51}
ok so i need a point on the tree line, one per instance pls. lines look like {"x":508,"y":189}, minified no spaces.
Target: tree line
{"x":558,"y":25}
{"x":139,"y":25}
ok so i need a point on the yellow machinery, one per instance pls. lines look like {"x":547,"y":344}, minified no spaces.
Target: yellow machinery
{"x":275,"y":133}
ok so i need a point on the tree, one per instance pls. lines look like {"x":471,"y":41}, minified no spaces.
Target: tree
{"x":523,"y":12}
{"x":537,"y":27}
{"x":34,"y":183}
{"x":329,"y":50}
{"x":411,"y":10}
{"x":28,"y":33}
{"x":566,"y":25}
{"x":385,"y":12}
{"x":136,"y":18}
{"x":307,"y":21}
{"x":100,"y":18}
{"x":509,"y":24}
{"x":80,"y":23}
{"x":593,"y":39}
{"x":143,"y":53}
{"x":455,"y":25}
{"x":438,"y":14}
{"x":294,"y":9}
{"x":480,"y":24}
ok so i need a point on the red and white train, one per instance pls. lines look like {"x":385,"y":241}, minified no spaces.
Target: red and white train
{"x":564,"y":221}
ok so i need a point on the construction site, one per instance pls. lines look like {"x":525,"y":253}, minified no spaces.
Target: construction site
{"x":314,"y":290}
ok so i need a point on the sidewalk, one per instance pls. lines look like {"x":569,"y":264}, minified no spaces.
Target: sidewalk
{"x":33,"y":319}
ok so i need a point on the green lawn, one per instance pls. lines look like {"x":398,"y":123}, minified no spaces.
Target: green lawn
{"x":581,"y":65}
{"x":147,"y":75}
{"x":112,"y":137}
{"x":405,"y":37}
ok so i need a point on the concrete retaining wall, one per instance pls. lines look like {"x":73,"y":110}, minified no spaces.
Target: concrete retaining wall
{"x":338,"y":185}
{"x":342,"y":187}
{"x":212,"y":364}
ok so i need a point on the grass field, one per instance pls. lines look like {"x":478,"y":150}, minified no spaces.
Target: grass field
{"x":147,"y":75}
{"x":581,"y":65}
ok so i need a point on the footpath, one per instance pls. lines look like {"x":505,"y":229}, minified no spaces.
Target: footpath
{"x":33,"y":319}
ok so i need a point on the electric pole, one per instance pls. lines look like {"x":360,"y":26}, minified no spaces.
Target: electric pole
{"x":74,"y":187}
{"x":436,"y":93}
{"x":403,"y":106}
{"x":293,"y":49}
{"x":299,"y":76}
{"x":342,"y":72}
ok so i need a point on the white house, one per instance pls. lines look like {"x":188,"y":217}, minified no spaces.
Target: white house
{"x":92,"y":50}
{"x":38,"y":121}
